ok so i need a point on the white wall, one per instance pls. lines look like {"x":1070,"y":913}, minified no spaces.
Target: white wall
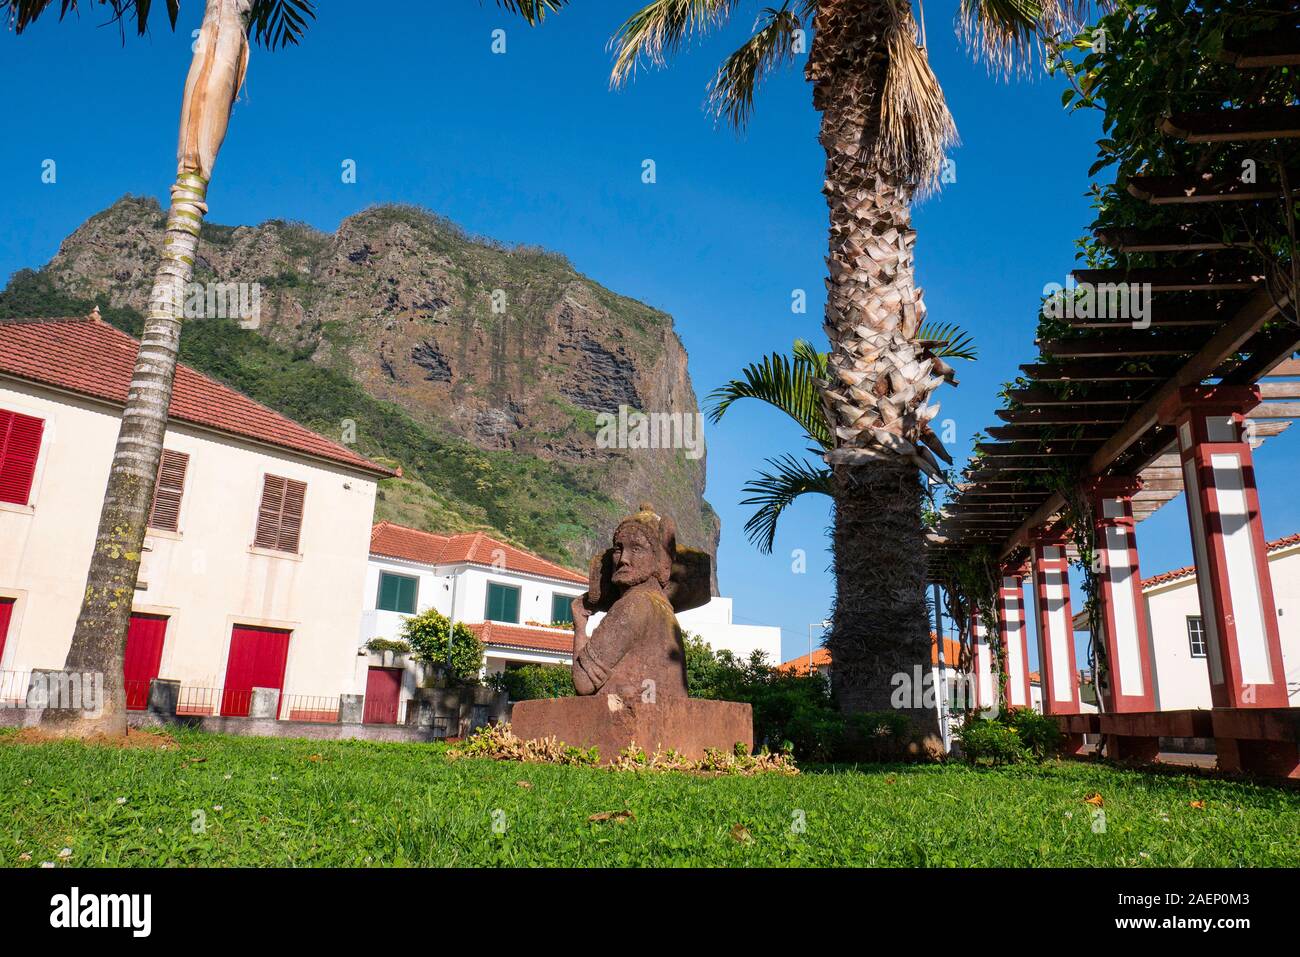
{"x":1183,"y":681}
{"x":207,"y":577}
{"x":713,"y":623}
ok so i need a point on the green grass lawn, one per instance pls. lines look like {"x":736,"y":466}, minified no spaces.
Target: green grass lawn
{"x":268,"y":802}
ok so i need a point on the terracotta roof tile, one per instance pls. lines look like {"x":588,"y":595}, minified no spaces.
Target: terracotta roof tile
{"x":1189,"y":571}
{"x":523,"y":636}
{"x":475,"y":548}
{"x":88,"y":356}
{"x":822,"y":657}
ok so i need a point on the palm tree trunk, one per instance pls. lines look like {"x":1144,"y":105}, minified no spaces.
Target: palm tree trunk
{"x":880,"y":379}
{"x":99,"y":640}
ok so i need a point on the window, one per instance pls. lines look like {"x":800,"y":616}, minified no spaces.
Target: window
{"x":20,"y":446}
{"x":279,"y":519}
{"x":397,"y":593}
{"x":1196,"y":635}
{"x":165,"y":512}
{"x":502,"y":603}
{"x":561,"y":609}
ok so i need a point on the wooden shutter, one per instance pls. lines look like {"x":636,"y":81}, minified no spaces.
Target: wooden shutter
{"x":165,"y":512}
{"x":279,"y":518}
{"x":20,"y":446}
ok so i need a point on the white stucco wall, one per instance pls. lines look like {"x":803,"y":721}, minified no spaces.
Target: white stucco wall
{"x":205,"y":578}
{"x":1183,"y":681}
{"x":713,"y":623}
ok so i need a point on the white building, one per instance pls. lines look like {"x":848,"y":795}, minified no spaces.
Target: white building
{"x":254,"y":561}
{"x":516,"y":602}
{"x":713,"y":623}
{"x":1178,"y":634}
{"x":509,"y":597}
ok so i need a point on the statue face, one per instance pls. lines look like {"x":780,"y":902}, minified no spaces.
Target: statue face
{"x":635,"y":557}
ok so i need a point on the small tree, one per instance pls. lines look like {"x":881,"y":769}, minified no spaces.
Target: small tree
{"x":428,"y":633}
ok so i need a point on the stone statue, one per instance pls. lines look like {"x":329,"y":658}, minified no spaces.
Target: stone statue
{"x":630,"y":673}
{"x":636,"y":651}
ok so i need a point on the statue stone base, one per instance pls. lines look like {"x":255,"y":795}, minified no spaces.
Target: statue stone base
{"x":611,"y":723}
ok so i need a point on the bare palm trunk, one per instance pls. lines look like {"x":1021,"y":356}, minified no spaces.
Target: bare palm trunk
{"x":99,"y":640}
{"x":880,"y":378}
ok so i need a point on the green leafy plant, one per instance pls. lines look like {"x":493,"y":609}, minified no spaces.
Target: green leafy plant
{"x":396,"y":646}
{"x":992,"y":742}
{"x":430,"y":637}
{"x":1038,"y":732}
{"x":528,"y":682}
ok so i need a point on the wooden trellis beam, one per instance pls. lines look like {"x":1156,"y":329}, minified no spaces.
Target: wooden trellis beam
{"x":1206,"y":188}
{"x":1234,"y":126}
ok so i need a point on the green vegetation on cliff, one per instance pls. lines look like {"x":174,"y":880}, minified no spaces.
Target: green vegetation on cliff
{"x":447,"y":483}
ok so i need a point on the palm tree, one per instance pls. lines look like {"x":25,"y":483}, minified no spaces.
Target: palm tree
{"x":215,"y":76}
{"x":885,"y":128}
{"x":789,"y":385}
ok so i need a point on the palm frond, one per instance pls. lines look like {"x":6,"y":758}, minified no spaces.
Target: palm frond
{"x":1007,"y":34}
{"x":273,"y":23}
{"x":731,"y":94}
{"x":660,"y":29}
{"x":787,"y":384}
{"x":534,"y":11}
{"x":279,"y":23}
{"x":947,"y":340}
{"x":773,"y":492}
{"x":916,"y":128}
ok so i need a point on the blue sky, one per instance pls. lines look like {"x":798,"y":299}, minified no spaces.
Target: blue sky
{"x":533,"y":147}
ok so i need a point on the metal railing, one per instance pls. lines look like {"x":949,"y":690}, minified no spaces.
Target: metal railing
{"x":13,"y":688}
{"x":304,"y":707}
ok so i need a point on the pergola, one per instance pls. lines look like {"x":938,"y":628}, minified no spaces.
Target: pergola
{"x":1130,"y":415}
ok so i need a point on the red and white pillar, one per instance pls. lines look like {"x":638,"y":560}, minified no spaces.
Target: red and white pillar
{"x":1232,"y":574}
{"x":1051,"y":579}
{"x":1130,"y":678}
{"x":1013,"y":638}
{"x":983,"y":688}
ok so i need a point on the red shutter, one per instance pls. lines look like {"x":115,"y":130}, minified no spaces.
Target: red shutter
{"x":257,"y":660}
{"x":279,"y":518}
{"x":165,"y":512}
{"x":20,"y":446}
{"x":6,"y":616}
{"x":144,"y":648}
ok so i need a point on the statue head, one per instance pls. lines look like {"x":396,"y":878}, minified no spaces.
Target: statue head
{"x":644,"y":548}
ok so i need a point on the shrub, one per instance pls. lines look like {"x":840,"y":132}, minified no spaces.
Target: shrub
{"x":1038,"y":732}
{"x":534,"y":681}
{"x":994,"y":741}
{"x":428,"y":633}
{"x":791,"y":712}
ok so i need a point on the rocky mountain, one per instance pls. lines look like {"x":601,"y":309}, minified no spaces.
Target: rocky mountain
{"x":479,"y":368}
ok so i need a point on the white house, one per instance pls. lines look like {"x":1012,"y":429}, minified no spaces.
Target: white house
{"x":713,"y":623}
{"x":508,"y":596}
{"x":516,"y":602}
{"x":254,"y":561}
{"x":1178,"y":635}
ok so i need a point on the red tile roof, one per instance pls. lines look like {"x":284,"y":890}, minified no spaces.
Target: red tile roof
{"x":822,"y":657}
{"x":88,"y":356}
{"x":1189,"y":571}
{"x":475,"y":548}
{"x":523,"y":636}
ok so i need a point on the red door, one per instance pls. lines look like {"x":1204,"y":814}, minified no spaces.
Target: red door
{"x":144,"y":646}
{"x":6,"y":616}
{"x":257,"y":657}
{"x":383,"y":693}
